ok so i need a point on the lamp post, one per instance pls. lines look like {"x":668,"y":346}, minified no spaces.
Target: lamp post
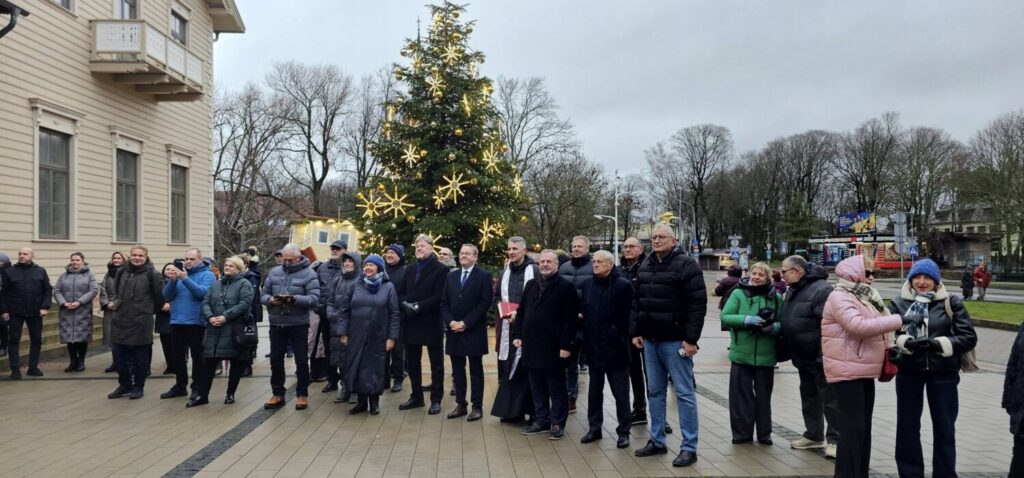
{"x":693,"y":222}
{"x":615,"y":234}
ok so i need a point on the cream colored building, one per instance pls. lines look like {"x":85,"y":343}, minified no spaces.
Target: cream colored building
{"x":318,"y":233}
{"x":105,"y":127}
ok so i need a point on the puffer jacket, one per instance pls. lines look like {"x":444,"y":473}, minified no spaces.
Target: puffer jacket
{"x":955,"y":335}
{"x":578,"y":270}
{"x":671,"y":299}
{"x":853,"y":342}
{"x":231,"y":297}
{"x":728,"y":283}
{"x":801,"y":318}
{"x":75,"y":286}
{"x":186,"y":295}
{"x":751,"y":346}
{"x":25,"y":290}
{"x":297,"y":280}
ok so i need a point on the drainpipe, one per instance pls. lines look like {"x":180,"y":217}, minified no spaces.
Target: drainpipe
{"x":14,"y":11}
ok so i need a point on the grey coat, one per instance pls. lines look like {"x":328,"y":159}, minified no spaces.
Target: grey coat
{"x":231,"y":297}
{"x":297,"y":280}
{"x":339,"y":290}
{"x":368,"y":320}
{"x":75,"y":286}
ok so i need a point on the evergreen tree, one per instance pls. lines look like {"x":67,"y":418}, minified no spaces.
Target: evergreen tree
{"x":443,"y":166}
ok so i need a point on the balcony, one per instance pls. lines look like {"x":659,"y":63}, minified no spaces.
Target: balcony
{"x":136,"y":53}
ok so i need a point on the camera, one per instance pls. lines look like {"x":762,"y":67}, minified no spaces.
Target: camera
{"x":768,"y":314}
{"x":179,"y":263}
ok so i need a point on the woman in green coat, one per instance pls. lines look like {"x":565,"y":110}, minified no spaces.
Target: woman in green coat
{"x":750,"y":316}
{"x":227,"y":308}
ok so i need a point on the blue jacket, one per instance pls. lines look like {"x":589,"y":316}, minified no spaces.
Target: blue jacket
{"x":186,"y":296}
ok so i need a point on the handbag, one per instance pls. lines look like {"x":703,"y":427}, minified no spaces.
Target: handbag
{"x":968,"y":360}
{"x":247,"y":335}
{"x":889,"y":368}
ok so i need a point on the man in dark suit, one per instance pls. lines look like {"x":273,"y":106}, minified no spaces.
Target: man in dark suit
{"x":422,"y":324}
{"x":545,"y":329}
{"x":467,"y":295}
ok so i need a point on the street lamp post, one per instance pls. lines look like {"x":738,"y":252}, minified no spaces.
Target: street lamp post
{"x":693,"y":222}
{"x":615,"y":219}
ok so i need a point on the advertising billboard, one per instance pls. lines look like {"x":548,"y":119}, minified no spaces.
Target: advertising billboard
{"x":857,"y":222}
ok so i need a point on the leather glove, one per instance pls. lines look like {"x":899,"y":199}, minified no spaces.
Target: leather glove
{"x":934,"y":346}
{"x":410,"y":308}
{"x":917,"y":345}
{"x":753,"y":321}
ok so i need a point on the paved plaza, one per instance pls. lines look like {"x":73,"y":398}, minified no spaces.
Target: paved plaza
{"x":63,"y":425}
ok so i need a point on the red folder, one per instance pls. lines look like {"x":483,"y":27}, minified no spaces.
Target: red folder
{"x":505,"y":309}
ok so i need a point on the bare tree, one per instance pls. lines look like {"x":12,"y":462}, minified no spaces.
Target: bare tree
{"x":704,"y":150}
{"x":923,"y":172}
{"x":866,"y":158}
{"x":529,"y":122}
{"x":362,"y":128}
{"x":314,"y":103}
{"x":997,"y":178}
{"x":562,"y":194}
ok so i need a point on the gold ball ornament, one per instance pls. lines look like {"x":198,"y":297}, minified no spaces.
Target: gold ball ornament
{"x":411,"y":219}
{"x":504,"y":148}
{"x":458,"y":132}
{"x":473,"y":181}
{"x":394,"y":226}
{"x":451,"y":156}
{"x":494,"y":189}
{"x":472,"y":160}
{"x":419,"y":175}
{"x":433,"y":124}
{"x":469,"y":29}
{"x":455,"y":14}
{"x":523,"y":219}
{"x":456,"y":36}
{"x":380,"y":187}
{"x":423,"y":153}
{"x":437,"y":101}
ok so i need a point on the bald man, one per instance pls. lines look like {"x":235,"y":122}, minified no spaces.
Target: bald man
{"x":25,"y":298}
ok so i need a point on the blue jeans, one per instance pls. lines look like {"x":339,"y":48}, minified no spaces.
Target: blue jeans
{"x":662,"y":360}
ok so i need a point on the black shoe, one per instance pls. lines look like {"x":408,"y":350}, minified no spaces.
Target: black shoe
{"x":330,"y":387}
{"x":359,"y":408}
{"x":136,"y":393}
{"x":572,"y":405}
{"x":535,"y":429}
{"x":475,"y":415}
{"x":412,"y":403}
{"x":174,"y":392}
{"x":374,"y":406}
{"x":343,"y":397}
{"x":247,"y":372}
{"x":459,"y":411}
{"x":229,"y":400}
{"x":397,"y":387}
{"x":219,"y":370}
{"x":318,"y":379}
{"x":591,"y":436}
{"x":289,"y":355}
{"x":765,"y":441}
{"x":650,"y":449}
{"x":685,"y":458}
{"x":34,"y":372}
{"x":111,"y":369}
{"x":15,"y":374}
{"x":80,"y":366}
{"x":167,"y":371}
{"x":639,"y":417}
{"x":668,"y":429}
{"x":583,"y":368}
{"x":70,"y":368}
{"x":556,"y":432}
{"x":434,"y":409}
{"x":120,"y":391}
{"x":195,"y":402}
{"x":623,"y":442}
{"x":742,"y":441}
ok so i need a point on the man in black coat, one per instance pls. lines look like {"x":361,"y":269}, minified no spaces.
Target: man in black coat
{"x":394,"y":363}
{"x":422,"y":325}
{"x":632,"y":256}
{"x":545,"y":329}
{"x":27,"y":296}
{"x":467,"y":296}
{"x":801,"y":333}
{"x":326,"y":274}
{"x":606,"y":302}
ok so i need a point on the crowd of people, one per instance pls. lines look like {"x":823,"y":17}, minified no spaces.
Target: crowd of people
{"x":360,"y":324}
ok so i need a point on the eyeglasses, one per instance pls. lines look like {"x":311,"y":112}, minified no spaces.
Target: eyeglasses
{"x":630,"y":246}
{"x":660,"y":237}
{"x":786,"y":270}
{"x":868,"y":273}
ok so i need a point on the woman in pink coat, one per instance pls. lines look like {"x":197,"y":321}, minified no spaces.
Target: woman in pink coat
{"x":854,"y":326}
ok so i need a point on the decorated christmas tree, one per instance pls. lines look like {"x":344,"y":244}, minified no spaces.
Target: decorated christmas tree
{"x":443,"y":171}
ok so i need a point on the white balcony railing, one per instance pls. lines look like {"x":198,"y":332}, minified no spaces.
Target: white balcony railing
{"x":137,"y":41}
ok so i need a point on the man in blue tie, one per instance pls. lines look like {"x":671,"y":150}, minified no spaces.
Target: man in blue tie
{"x":467,"y":295}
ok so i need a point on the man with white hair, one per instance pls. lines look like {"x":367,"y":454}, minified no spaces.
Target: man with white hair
{"x":26,"y":299}
{"x":291,"y":291}
{"x":666,"y":321}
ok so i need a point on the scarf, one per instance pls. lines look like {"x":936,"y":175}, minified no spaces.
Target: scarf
{"x":865,"y":293}
{"x":543,"y":281}
{"x":372,"y":283}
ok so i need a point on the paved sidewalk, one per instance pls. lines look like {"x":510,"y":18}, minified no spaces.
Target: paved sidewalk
{"x":63,"y":425}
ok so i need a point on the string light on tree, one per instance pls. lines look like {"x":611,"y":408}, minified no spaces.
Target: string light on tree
{"x":411,"y":155}
{"x":453,"y":189}
{"x":369,"y":203}
{"x":395,"y":203}
{"x":517,"y":185}
{"x":451,"y":54}
{"x":488,"y":231}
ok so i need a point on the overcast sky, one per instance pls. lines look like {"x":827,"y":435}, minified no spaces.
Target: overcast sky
{"x":630,"y":73}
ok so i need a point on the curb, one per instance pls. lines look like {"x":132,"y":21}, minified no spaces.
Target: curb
{"x":991,"y":324}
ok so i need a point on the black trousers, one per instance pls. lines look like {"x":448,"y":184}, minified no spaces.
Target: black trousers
{"x":550,"y":398}
{"x":750,"y":401}
{"x":618,"y":380}
{"x":1017,"y":462}
{"x":187,"y":339}
{"x":944,"y":404}
{"x":638,"y":379}
{"x":167,"y":346}
{"x":296,"y":338}
{"x":77,"y":351}
{"x":35,"y":339}
{"x":476,"y":375}
{"x":857,"y":401}
{"x":238,"y":365}
{"x":4,"y":331}
{"x":819,"y":404}
{"x":132,"y":362}
{"x":394,"y":361}
{"x":413,"y":357}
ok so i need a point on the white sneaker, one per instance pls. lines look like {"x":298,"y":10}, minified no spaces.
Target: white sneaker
{"x":830,"y":450}
{"x":806,"y":444}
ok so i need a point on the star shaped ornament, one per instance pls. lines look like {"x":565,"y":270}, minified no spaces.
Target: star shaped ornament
{"x":395,"y":203}
{"x":370,"y":203}
{"x":451,"y":54}
{"x":411,"y":155}
{"x":453,"y":189}
{"x":436,"y":83}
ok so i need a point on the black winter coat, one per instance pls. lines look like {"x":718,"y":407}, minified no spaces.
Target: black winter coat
{"x":25,"y":290}
{"x":326,"y":273}
{"x":959,"y":330}
{"x":369,"y":320}
{"x":801,"y":317}
{"x":1013,"y":384}
{"x":467,"y":304}
{"x":546,"y":322}
{"x":577,"y":270}
{"x":138,"y":294}
{"x":231,"y":297}
{"x":425,"y":326}
{"x":630,"y":271}
{"x":606,"y":307}
{"x":163,"y":319}
{"x":255,"y":278}
{"x":671,"y":299}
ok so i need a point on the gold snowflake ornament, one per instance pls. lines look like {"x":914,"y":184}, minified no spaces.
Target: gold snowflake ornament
{"x":490,"y":159}
{"x":451,"y":54}
{"x":453,"y":189}
{"x":395,"y":203}
{"x":489,"y":231}
{"x":411,"y":155}
{"x":436,"y":83}
{"x":370,"y":203}
{"x":517,"y":185}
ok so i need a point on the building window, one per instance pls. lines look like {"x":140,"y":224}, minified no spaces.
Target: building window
{"x":126,"y":9}
{"x":970,"y":228}
{"x":179,"y":204}
{"x":127,"y":206}
{"x":322,"y":237}
{"x":64,"y":3}
{"x":179,"y":28}
{"x":54,"y":184}
{"x":343,"y":237}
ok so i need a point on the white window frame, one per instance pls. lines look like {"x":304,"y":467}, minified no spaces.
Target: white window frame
{"x":182,"y":11}
{"x":178,"y":156}
{"x":53,"y":116}
{"x":116,"y":8}
{"x":71,"y":8}
{"x":125,"y":139}
{"x":323,"y":236}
